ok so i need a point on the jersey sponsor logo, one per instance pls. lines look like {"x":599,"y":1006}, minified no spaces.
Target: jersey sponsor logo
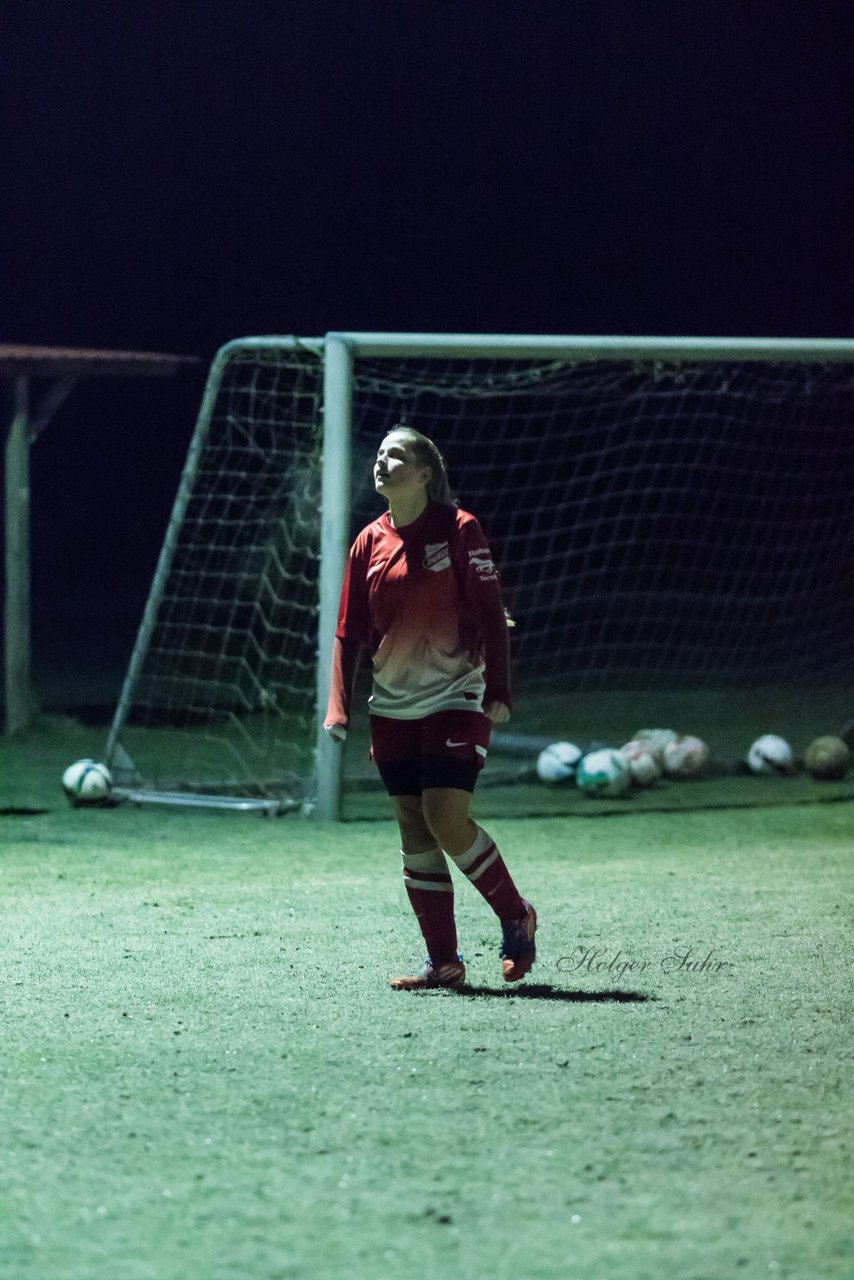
{"x":436,"y":556}
{"x":482,"y":563}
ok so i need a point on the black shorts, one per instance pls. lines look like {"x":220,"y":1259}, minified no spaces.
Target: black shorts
{"x":446,"y":749}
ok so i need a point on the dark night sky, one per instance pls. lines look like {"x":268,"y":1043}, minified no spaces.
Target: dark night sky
{"x":179,"y":174}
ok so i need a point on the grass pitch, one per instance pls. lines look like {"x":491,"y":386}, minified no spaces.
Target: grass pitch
{"x":205,"y":1074}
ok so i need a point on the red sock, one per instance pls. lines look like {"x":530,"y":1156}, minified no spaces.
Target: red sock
{"x":485,"y":867}
{"x":431,"y":893}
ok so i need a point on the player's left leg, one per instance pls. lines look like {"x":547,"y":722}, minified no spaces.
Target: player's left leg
{"x":446,"y":811}
{"x":454,"y":753}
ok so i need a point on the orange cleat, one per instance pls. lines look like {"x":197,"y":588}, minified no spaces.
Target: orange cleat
{"x":518,"y":949}
{"x":428,"y":977}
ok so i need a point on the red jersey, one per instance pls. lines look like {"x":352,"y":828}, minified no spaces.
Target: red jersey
{"x":426,"y":601}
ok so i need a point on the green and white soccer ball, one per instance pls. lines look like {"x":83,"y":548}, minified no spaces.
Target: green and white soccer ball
{"x":87,"y":782}
{"x":557,"y":762}
{"x":604,"y":772}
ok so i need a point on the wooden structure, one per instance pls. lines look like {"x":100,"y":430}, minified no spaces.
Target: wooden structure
{"x":41,"y":378}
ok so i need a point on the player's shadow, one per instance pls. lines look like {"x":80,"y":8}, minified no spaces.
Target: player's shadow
{"x":545,"y":991}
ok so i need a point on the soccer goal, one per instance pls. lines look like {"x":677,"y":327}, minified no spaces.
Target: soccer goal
{"x":672,"y":520}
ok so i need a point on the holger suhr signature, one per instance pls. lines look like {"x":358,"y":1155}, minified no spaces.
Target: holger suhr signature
{"x":605,"y":960}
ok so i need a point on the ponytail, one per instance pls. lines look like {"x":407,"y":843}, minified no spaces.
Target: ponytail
{"x":428,"y":455}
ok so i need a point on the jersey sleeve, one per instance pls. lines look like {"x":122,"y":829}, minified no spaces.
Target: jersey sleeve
{"x":483,"y":608}
{"x":351,"y":635}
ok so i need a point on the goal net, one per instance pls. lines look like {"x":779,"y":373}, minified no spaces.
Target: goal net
{"x":672,"y":521}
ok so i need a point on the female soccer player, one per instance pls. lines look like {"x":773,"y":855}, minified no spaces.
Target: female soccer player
{"x":422,"y":593}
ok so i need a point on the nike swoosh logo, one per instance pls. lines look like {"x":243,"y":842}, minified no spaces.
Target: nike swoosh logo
{"x":455,"y":744}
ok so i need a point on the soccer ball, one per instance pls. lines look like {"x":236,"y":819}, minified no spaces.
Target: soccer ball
{"x":685,"y":757}
{"x":642,"y":761}
{"x":655,"y":740}
{"x":827,"y":757}
{"x":557,"y":763}
{"x":603,"y":773}
{"x":770,"y":754}
{"x":86,"y":782}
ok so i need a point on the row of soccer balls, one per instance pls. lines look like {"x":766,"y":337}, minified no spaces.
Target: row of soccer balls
{"x":612,"y":771}
{"x":603,"y":771}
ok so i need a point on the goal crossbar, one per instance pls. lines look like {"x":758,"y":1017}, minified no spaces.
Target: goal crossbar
{"x":473,"y":346}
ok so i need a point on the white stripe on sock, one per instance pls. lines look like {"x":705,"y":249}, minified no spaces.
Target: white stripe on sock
{"x":437,"y":886}
{"x":487,"y":862}
{"x":479,"y":845}
{"x":432,"y":861}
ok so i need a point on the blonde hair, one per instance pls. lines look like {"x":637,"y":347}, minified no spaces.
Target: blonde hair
{"x":427,"y":455}
{"x":439,"y":489}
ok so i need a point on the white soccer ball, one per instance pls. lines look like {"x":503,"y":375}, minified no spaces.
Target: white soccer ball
{"x":86,"y":782}
{"x":603,"y":773}
{"x":643,"y":763}
{"x":686,"y":757}
{"x":557,"y":762}
{"x":770,"y":754}
{"x":656,"y":740}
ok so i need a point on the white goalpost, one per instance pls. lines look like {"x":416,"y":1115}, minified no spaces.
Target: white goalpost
{"x":665,"y":512}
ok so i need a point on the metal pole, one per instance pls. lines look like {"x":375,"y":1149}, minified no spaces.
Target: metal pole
{"x":19,"y":696}
{"x":455,"y":346}
{"x":334,"y":536}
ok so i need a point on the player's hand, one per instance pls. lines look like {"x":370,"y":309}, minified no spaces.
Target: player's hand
{"x":337,"y":732}
{"x":498,"y":712}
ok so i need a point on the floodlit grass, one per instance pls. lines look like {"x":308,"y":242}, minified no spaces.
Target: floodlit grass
{"x":205,"y":1074}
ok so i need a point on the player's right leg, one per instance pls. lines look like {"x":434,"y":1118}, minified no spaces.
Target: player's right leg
{"x":396,"y":750}
{"x":430,"y":890}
